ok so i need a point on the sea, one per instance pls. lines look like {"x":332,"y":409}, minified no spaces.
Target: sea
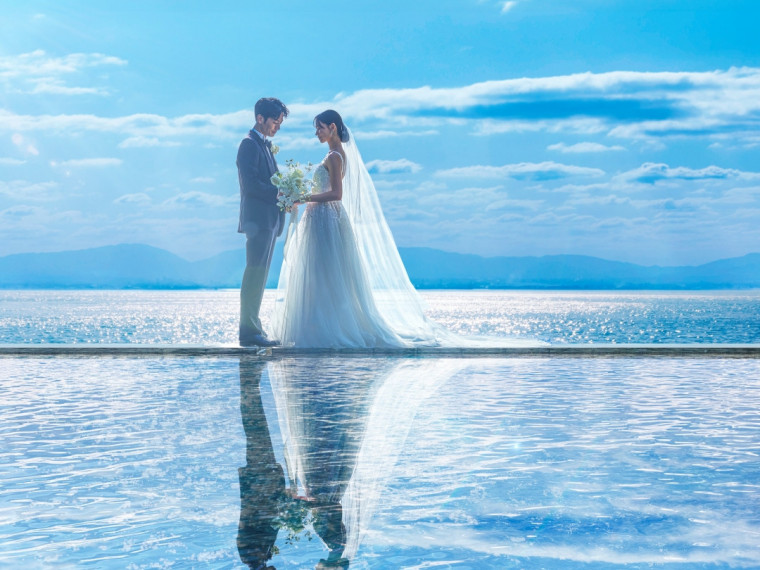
{"x":384,"y":462}
{"x":557,"y":317}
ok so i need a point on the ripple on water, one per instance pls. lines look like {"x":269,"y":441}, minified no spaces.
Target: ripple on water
{"x":539,"y":463}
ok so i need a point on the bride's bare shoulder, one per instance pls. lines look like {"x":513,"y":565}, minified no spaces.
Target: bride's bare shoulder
{"x":335,"y":158}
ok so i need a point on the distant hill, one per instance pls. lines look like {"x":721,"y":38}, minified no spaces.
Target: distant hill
{"x":131,"y":266}
{"x":432,"y":268}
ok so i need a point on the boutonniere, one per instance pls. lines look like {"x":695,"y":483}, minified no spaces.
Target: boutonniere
{"x":275,"y":149}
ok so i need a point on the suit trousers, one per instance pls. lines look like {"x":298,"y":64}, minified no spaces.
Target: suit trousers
{"x":259,"y":246}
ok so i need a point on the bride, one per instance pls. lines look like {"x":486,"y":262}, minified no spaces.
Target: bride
{"x":325,"y":295}
{"x":342,"y":282}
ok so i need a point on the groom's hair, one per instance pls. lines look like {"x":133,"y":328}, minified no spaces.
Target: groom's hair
{"x":270,"y":108}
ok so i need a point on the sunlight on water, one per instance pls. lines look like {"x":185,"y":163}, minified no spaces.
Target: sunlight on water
{"x":475,"y":463}
{"x":211,"y":317}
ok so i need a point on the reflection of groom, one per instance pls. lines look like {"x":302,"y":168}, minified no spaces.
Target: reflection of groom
{"x":262,"y":480}
{"x":261,"y":220}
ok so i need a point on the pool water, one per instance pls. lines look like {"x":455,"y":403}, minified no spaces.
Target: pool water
{"x":379,"y":462}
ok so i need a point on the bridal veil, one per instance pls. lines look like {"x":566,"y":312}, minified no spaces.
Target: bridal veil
{"x":396,"y":298}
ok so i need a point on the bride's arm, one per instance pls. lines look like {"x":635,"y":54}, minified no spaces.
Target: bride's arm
{"x":336,"y":182}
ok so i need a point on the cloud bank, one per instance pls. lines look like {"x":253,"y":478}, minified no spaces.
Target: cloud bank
{"x":620,"y":104}
{"x":37,"y":72}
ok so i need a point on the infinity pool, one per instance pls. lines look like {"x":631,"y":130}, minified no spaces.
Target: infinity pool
{"x":379,"y":462}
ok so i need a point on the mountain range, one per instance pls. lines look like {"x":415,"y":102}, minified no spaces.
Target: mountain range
{"x":134,"y":266}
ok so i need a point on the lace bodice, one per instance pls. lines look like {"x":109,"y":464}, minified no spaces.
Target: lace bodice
{"x":321,"y":177}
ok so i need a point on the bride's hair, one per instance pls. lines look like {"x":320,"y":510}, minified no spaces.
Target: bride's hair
{"x":328,"y":118}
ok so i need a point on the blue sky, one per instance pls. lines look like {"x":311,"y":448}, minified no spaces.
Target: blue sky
{"x":628,"y":130}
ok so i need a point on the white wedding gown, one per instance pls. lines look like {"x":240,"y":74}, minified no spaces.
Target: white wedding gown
{"x":326,"y":300}
{"x":342,"y":282}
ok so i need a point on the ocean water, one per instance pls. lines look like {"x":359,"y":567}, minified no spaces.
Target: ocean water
{"x":380,"y":463}
{"x":210,"y":317}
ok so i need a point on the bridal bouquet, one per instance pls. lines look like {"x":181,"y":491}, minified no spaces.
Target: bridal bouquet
{"x":292,"y":184}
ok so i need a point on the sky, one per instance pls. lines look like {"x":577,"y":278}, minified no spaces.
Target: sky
{"x":623,"y":129}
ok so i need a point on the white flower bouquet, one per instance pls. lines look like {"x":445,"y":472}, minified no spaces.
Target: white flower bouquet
{"x":292,"y":184}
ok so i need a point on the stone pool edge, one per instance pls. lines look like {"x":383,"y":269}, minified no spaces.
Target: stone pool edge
{"x":551,"y":351}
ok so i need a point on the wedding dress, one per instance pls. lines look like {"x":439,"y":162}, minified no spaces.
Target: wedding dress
{"x":324,"y":297}
{"x":342,"y":282}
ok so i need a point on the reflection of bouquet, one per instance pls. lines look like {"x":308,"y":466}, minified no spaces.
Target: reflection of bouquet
{"x":294,"y":516}
{"x":292,"y":184}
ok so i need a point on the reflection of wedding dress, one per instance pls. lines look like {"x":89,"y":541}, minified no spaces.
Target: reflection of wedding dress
{"x":343,"y":428}
{"x":322,"y":411}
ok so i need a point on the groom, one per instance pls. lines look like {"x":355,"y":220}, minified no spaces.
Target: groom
{"x":261,"y":220}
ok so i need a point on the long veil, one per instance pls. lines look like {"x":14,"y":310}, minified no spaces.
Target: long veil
{"x":397,"y":304}
{"x":396,"y":298}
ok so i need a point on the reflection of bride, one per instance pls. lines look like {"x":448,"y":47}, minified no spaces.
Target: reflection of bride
{"x":321,"y":436}
{"x":342,"y":430}
{"x":342,"y":282}
{"x":321,"y":413}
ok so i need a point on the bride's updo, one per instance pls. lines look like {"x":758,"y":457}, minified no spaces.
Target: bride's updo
{"x":328,"y":118}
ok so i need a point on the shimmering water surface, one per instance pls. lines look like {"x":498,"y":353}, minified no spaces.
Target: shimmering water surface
{"x":210,"y":317}
{"x":379,"y":462}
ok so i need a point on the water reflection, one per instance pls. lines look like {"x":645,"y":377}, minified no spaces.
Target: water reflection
{"x":340,"y":425}
{"x":262,"y":481}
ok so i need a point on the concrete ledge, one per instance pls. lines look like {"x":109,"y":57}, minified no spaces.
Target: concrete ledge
{"x":544,"y":351}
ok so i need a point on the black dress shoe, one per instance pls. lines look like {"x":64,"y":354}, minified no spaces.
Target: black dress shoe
{"x":258,"y":340}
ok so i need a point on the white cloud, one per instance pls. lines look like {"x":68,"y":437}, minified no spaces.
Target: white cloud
{"x":583,"y":147}
{"x":58,"y":87}
{"x":146,"y":142}
{"x":507,"y":6}
{"x":508,"y":204}
{"x":625,"y":104}
{"x":137,"y":125}
{"x":650,"y":173}
{"x":137,"y":198}
{"x":430,"y":195}
{"x":293,"y":142}
{"x":203,"y":180}
{"x":744,"y":195}
{"x":11,"y":161}
{"x":27,"y":191}
{"x":580,"y":126}
{"x":38,"y":72}
{"x":40,"y":63}
{"x":385,"y":134}
{"x":24,"y":145}
{"x":17,"y":212}
{"x":392,"y":166}
{"x":530,"y":170}
{"x":87,"y":163}
{"x":196,"y":199}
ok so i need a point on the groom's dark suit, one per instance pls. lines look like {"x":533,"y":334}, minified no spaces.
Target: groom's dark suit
{"x":261,"y":221}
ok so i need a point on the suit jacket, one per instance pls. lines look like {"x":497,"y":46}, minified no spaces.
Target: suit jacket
{"x":258,"y":196}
